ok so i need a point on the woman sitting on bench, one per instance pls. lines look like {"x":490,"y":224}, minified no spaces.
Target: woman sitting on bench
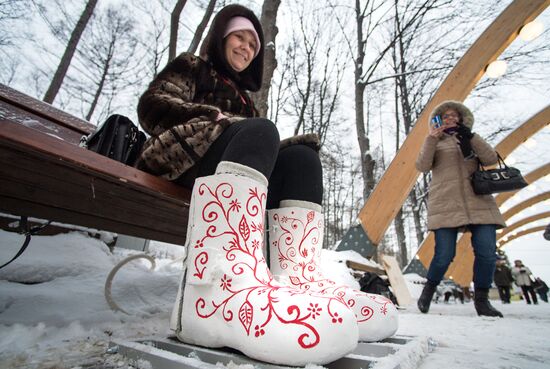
{"x":206,"y":134}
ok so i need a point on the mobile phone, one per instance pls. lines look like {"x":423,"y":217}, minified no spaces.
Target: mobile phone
{"x":436,"y":121}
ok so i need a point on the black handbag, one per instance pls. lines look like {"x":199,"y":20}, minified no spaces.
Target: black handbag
{"x":117,"y":138}
{"x":501,"y":179}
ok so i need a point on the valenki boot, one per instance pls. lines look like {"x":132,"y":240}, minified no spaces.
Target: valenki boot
{"x":228,"y":296}
{"x":295,"y":243}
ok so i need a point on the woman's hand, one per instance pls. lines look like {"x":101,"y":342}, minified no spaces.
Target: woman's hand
{"x":435,"y":132}
{"x":220,"y":117}
{"x":464,"y":131}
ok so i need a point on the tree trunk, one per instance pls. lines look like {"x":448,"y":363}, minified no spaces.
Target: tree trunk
{"x":201,"y":27}
{"x":406,"y":112}
{"x":101,"y":83}
{"x":367,"y":162}
{"x":268,"y":20}
{"x":399,"y":224}
{"x":417,"y":216}
{"x":61,"y":71}
{"x":174,"y":25}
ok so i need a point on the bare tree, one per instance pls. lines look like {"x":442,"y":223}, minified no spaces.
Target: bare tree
{"x":63,"y":66}
{"x":174,"y":25}
{"x":279,"y":92}
{"x":340,"y":176}
{"x":106,"y":63}
{"x":316,"y":73}
{"x":268,"y":20}
{"x":10,"y":10}
{"x":153,"y":39}
{"x":201,"y":27}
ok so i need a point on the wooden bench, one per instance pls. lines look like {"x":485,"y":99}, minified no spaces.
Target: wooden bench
{"x":45,"y":174}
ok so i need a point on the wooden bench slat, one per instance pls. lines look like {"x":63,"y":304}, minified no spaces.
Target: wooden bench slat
{"x":45,"y":110}
{"x":27,"y":119}
{"x":24,"y":207}
{"x":136,"y":213}
{"x":74,"y":198}
{"x":16,"y":136}
{"x":45,"y":177}
{"x":22,"y":169}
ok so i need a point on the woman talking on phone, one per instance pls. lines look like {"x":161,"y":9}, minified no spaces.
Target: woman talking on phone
{"x":452,"y":151}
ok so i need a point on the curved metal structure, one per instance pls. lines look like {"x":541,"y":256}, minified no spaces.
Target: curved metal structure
{"x":523,"y":233}
{"x":530,"y":178}
{"x":521,"y":223}
{"x":525,"y":204}
{"x":523,"y":132}
{"x":400,"y":177}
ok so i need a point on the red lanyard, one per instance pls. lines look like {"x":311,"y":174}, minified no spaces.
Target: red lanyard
{"x":230,"y":83}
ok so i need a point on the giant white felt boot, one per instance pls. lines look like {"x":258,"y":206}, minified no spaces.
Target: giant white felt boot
{"x":295,"y":237}
{"x":228,"y":296}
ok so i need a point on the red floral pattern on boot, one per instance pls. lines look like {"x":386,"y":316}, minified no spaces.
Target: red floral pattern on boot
{"x":228,"y":280}
{"x":296,"y":243}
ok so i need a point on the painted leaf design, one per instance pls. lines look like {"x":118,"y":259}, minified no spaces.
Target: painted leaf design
{"x":295,"y":281}
{"x":244,"y":229}
{"x":245,"y":316}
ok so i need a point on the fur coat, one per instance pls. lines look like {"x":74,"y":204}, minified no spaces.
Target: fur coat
{"x":179,"y":111}
{"x":452,"y":202}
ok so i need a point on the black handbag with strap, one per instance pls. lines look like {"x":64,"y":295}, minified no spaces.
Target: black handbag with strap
{"x":117,"y":138}
{"x":501,"y":179}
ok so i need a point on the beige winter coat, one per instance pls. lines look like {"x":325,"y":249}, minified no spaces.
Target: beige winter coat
{"x":521,"y":275}
{"x":451,"y":199}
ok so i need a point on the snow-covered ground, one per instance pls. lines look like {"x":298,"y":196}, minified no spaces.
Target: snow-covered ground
{"x":53,"y":313}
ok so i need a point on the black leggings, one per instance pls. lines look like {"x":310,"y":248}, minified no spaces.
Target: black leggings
{"x":294,"y":173}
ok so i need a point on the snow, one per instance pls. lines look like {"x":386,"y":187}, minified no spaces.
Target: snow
{"x":53,"y":313}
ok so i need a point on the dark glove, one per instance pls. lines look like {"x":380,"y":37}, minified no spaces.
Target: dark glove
{"x":465,"y":132}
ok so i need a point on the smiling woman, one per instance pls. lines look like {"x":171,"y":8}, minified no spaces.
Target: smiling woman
{"x":206,"y":134}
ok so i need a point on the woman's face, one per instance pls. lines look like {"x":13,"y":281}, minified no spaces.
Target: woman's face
{"x":240,"y":47}
{"x":450,"y":118}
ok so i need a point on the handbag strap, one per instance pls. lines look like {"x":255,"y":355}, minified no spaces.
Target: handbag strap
{"x":28,"y":232}
{"x":500,"y":161}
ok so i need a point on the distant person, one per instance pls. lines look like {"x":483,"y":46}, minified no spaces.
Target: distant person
{"x":522,"y":275}
{"x":447,"y":292}
{"x":547,"y":232}
{"x":458,"y":293}
{"x":541,"y":289}
{"x":452,"y":152}
{"x":503,"y":280}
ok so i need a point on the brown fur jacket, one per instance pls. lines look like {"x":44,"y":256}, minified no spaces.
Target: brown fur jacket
{"x":179,"y":110}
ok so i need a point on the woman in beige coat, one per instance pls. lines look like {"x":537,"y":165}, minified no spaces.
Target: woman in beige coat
{"x":452,"y":152}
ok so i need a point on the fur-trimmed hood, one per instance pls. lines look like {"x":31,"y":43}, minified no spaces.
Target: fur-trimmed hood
{"x":467,"y":118}
{"x":212,"y":48}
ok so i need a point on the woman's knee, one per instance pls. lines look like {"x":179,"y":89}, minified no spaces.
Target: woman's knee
{"x":301,"y":155}
{"x":260,"y":130}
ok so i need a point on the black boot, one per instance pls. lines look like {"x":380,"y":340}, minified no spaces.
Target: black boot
{"x":426,"y":297}
{"x":482,"y":304}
